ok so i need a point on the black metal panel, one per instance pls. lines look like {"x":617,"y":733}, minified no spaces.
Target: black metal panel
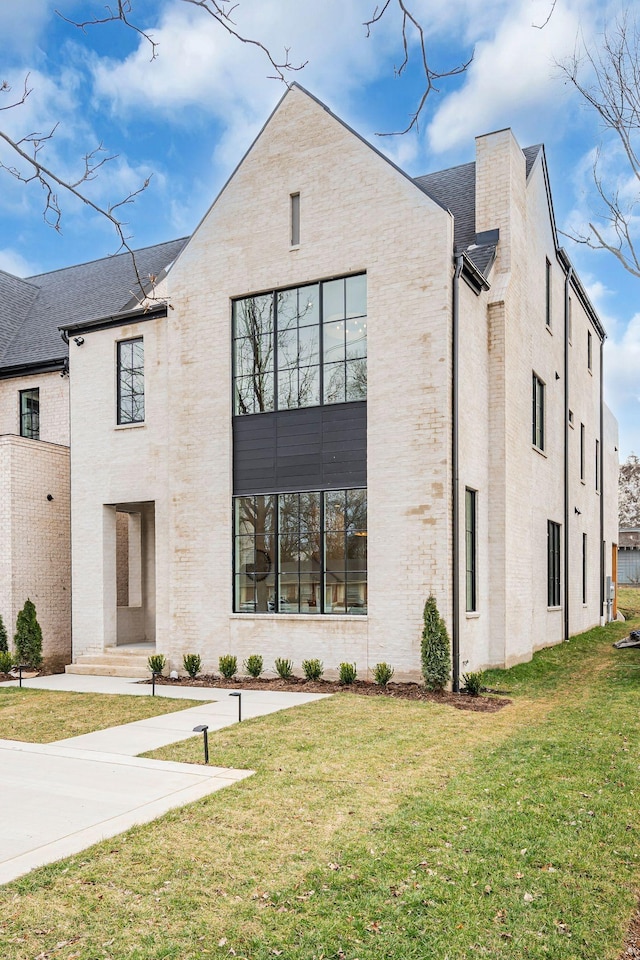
{"x":314,"y":448}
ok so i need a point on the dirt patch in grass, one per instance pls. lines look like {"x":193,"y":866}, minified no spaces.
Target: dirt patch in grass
{"x":399,"y":691}
{"x":631,"y":949}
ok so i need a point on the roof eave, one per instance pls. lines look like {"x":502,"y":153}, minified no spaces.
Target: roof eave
{"x":138,"y":315}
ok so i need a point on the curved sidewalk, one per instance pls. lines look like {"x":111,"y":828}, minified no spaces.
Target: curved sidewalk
{"x":60,"y":798}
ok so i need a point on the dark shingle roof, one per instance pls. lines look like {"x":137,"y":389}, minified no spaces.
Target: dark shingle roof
{"x":455,"y":189}
{"x":29,"y":334}
{"x":531,"y":154}
{"x":16,"y":296}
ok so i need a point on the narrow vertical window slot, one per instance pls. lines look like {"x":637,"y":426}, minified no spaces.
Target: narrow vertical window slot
{"x":295,"y":219}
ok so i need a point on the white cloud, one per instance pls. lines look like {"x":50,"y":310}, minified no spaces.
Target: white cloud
{"x":513,"y":79}
{"x":21,"y":24}
{"x":200,"y":65}
{"x":13,"y":262}
{"x":622,"y":385}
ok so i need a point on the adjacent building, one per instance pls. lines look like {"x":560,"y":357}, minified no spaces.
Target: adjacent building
{"x":349,"y":389}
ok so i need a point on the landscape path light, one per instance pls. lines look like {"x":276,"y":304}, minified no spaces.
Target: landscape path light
{"x":239,"y":696}
{"x":154,"y":674}
{"x":21,"y":667}
{"x":202,"y":728}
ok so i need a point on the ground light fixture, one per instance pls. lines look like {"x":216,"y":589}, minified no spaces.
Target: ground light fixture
{"x":239,"y":696}
{"x":154,"y":674}
{"x":21,"y":667}
{"x":202,"y":728}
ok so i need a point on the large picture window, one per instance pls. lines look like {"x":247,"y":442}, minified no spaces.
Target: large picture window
{"x":30,"y":413}
{"x":301,"y":347}
{"x":131,"y":381}
{"x":301,"y":553}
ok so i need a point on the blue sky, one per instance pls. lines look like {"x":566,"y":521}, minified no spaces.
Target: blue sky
{"x":187,"y":118}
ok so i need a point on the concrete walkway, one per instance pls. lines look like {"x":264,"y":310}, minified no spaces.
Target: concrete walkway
{"x":59,"y":798}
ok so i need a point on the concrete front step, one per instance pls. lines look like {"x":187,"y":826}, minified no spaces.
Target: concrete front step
{"x":107,"y":670}
{"x":112,"y":663}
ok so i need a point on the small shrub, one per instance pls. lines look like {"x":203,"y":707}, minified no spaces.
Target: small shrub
{"x":347,"y":673}
{"x":435,"y":648}
{"x":157,"y":662}
{"x":473,"y":682}
{"x":228,"y":666}
{"x":253,"y":665}
{"x":192,"y":663}
{"x":313,"y":669}
{"x":382,"y":673}
{"x":284,"y":668}
{"x":6,"y":661}
{"x":28,"y":637}
{"x":4,"y":644}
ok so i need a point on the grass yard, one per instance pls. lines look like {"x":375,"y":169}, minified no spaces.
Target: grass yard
{"x":629,"y":601}
{"x":379,"y":829}
{"x":42,"y":716}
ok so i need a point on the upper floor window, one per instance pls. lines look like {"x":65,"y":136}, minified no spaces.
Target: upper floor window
{"x":548,"y":293}
{"x":589,"y":351}
{"x":597,"y":464}
{"x":538,"y":413}
{"x":301,"y":347}
{"x":582,"y":448}
{"x":30,"y":413}
{"x":131,"y":381}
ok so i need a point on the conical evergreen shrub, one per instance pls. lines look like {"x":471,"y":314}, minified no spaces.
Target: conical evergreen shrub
{"x":435,"y":648}
{"x":28,"y":637}
{"x":4,"y":645}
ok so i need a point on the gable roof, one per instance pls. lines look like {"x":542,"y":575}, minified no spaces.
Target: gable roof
{"x":31,"y":310}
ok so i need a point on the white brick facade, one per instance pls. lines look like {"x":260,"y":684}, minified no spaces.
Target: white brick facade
{"x":152,"y":501}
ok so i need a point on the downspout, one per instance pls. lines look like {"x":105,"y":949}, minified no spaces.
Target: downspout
{"x":567,"y":287}
{"x":600,"y":466}
{"x":455,"y":639}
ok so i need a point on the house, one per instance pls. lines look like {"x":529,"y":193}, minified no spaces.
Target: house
{"x":34,"y":430}
{"x":629,"y":555}
{"x":350,"y":389}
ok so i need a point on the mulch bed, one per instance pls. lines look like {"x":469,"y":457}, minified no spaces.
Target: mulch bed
{"x":400,"y":691}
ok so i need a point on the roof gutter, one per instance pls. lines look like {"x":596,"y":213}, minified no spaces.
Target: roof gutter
{"x":567,"y":287}
{"x":31,"y":369}
{"x":586,"y":303}
{"x":455,"y":622}
{"x":113,"y":320}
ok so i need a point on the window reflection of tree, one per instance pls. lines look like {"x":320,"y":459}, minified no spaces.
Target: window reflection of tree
{"x":298,"y":347}
{"x":300,"y":551}
{"x":346,"y":551}
{"x":253,"y":330}
{"x":256,"y":524}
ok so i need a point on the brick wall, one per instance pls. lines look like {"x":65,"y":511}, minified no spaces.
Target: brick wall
{"x":35,"y":533}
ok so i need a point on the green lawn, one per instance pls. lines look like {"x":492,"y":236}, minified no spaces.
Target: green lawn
{"x":42,"y":716}
{"x":380,"y":829}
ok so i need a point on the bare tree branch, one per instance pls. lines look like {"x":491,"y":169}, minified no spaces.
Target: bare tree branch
{"x":121,"y":15}
{"x":411,"y":24}
{"x":220,"y":10}
{"x":28,"y":149}
{"x":541,"y":26}
{"x":612,"y":89}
